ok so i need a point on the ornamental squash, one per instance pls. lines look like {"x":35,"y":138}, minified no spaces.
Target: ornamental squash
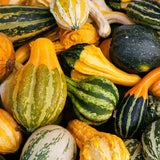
{"x":93,"y":98}
{"x":95,"y":145}
{"x":38,"y":89}
{"x":135,"y":48}
{"x":131,"y":110}
{"x":150,"y":141}
{"x":51,"y":142}
{"x":10,"y":135}
{"x":7,"y":57}
{"x":70,"y":14}
{"x":88,"y":59}
{"x":155,"y":88}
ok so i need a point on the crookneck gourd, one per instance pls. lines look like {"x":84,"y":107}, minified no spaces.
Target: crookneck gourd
{"x":83,"y":60}
{"x":95,"y":145}
{"x":93,"y":98}
{"x":38,"y":90}
{"x":131,"y":111}
{"x":7,"y":57}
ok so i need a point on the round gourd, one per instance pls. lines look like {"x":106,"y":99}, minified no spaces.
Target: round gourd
{"x":7,"y":57}
{"x":135,"y":48}
{"x":10,"y":136}
{"x":70,"y":14}
{"x":151,"y":140}
{"x":51,"y":142}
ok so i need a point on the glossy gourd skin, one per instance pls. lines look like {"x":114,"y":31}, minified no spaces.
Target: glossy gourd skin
{"x":10,"y":136}
{"x":97,"y":145}
{"x":38,"y":89}
{"x":7,"y":56}
{"x":83,"y":60}
{"x":135,"y":48}
{"x":131,"y":110}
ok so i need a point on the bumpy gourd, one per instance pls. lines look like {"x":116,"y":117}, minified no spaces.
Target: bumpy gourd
{"x":97,"y":145}
{"x":10,"y":135}
{"x":131,"y":111}
{"x":7,"y":57}
{"x":38,"y":89}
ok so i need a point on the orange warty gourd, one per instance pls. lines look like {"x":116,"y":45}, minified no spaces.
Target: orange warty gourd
{"x":95,"y":145}
{"x":7,"y":56}
{"x":10,"y":136}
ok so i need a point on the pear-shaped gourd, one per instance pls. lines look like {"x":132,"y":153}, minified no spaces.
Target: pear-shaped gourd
{"x":38,"y":89}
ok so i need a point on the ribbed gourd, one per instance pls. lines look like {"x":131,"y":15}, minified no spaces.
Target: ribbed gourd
{"x":7,"y":57}
{"x":131,"y":110}
{"x":96,"y":145}
{"x":94,"y":98}
{"x":83,"y":60}
{"x":38,"y":89}
{"x":70,"y":14}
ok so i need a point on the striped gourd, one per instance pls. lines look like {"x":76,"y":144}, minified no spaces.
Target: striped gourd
{"x":93,"y":98}
{"x":134,"y":147}
{"x":38,"y":91}
{"x":51,"y":142}
{"x":131,"y":110}
{"x":70,"y":14}
{"x":151,"y":141}
{"x":23,"y":23}
{"x":146,"y":12}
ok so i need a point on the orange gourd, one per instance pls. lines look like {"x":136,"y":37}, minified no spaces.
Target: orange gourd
{"x":155,"y":88}
{"x":7,"y":56}
{"x":10,"y":135}
{"x":95,"y":145}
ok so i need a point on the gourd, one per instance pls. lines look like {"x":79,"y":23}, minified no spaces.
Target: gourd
{"x":94,"y":144}
{"x":70,"y":16}
{"x":135,"y":48}
{"x":87,"y":59}
{"x":7,"y":57}
{"x":93,"y":98}
{"x":134,"y":147}
{"x":155,"y":88}
{"x":131,"y":110}
{"x":4,"y":2}
{"x":150,"y":141}
{"x":50,"y":142}
{"x":2,"y":158}
{"x":145,"y":12}
{"x":38,"y":89}
{"x":10,"y":135}
{"x":45,"y":3}
{"x":23,"y":23}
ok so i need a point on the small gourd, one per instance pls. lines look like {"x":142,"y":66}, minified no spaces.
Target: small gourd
{"x":88,"y":60}
{"x":131,"y":111}
{"x":10,"y":135}
{"x":155,"y":88}
{"x":7,"y":57}
{"x":97,"y":145}
{"x":38,"y":89}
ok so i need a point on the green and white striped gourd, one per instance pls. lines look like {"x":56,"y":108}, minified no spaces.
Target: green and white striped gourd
{"x":93,"y":98}
{"x":51,"y":142}
{"x":151,"y":141}
{"x":134,"y":147}
{"x":145,"y":12}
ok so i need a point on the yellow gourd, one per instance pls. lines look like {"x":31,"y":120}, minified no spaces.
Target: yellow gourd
{"x":95,"y":145}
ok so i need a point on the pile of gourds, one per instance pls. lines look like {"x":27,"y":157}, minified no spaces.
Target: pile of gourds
{"x":84,"y":84}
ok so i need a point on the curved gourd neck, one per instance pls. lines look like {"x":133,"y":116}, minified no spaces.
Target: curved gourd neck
{"x":43,"y":52}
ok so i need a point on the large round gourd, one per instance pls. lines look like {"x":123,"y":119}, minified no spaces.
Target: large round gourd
{"x":38,"y":89}
{"x":51,"y":142}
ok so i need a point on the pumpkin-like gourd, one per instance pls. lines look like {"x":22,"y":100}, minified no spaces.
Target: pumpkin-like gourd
{"x":71,"y":14}
{"x":10,"y":135}
{"x":134,"y":147}
{"x":131,"y":110}
{"x":38,"y":90}
{"x":150,"y":141}
{"x":7,"y":56}
{"x":97,"y":145}
{"x":135,"y":48}
{"x":155,"y":88}
{"x":88,"y":60}
{"x":93,"y":98}
{"x":51,"y":142}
